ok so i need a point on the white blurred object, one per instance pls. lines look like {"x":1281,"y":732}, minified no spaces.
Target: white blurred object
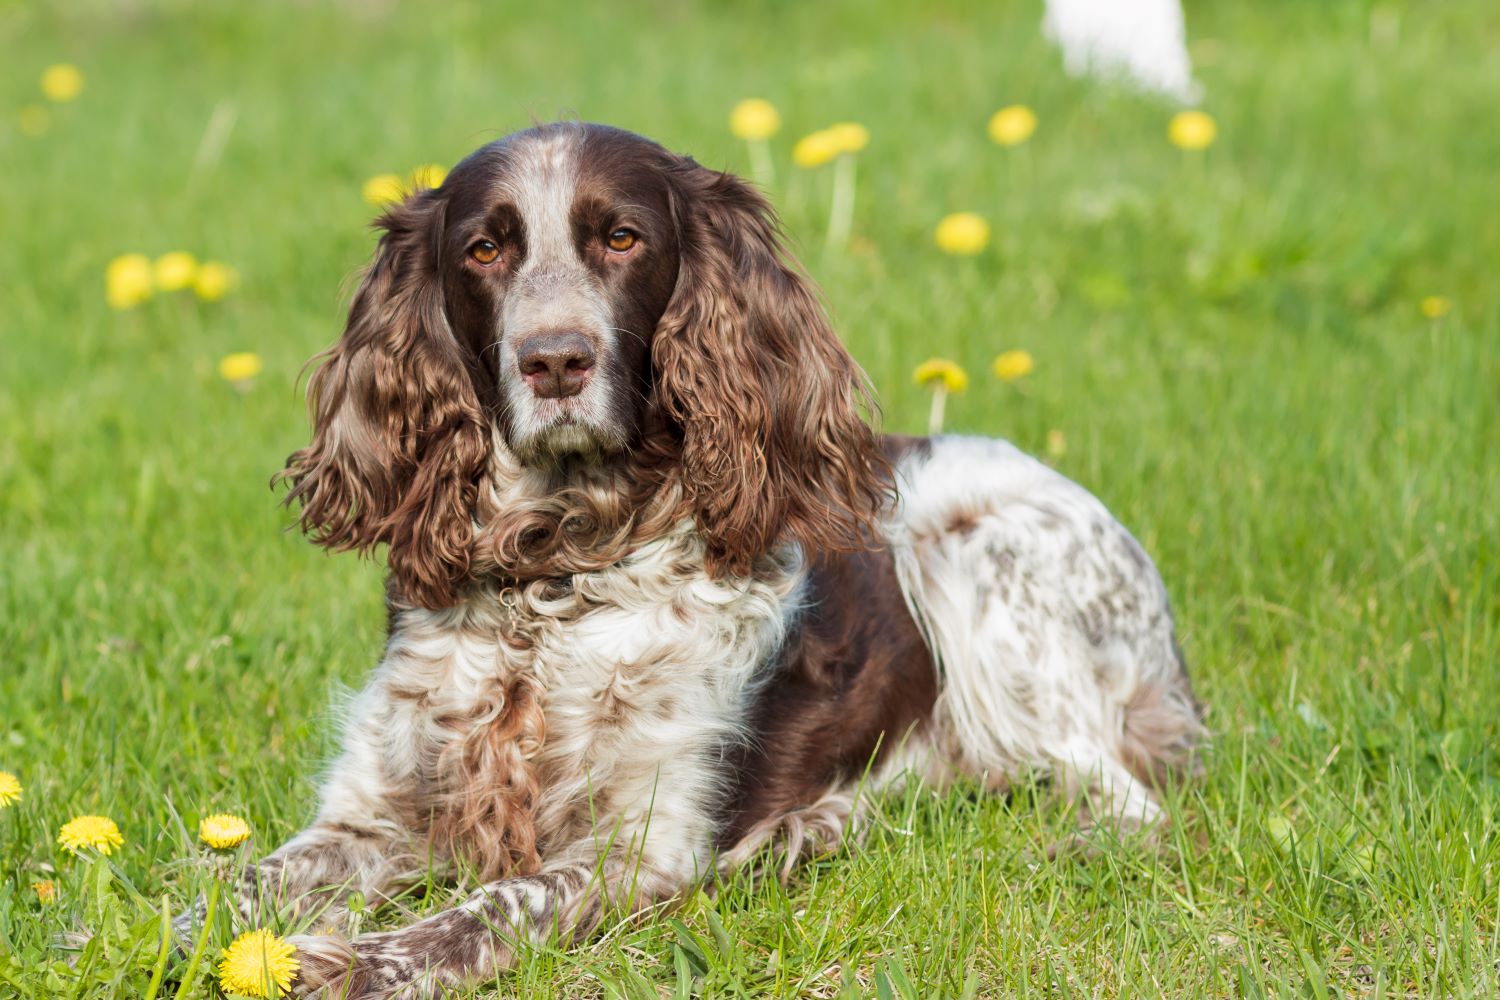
{"x":1141,"y":40}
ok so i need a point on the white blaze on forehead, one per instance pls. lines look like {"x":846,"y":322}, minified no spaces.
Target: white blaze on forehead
{"x":554,"y":289}
{"x":543,"y":181}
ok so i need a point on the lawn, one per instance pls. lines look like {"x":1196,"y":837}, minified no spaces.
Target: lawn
{"x":1231,"y":348}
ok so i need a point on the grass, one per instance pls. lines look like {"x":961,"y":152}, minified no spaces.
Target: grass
{"x":1230,"y":344}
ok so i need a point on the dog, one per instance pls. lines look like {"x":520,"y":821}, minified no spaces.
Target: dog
{"x":660,"y":600}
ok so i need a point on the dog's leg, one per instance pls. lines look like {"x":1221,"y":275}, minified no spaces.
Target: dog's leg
{"x":625,"y":863}
{"x":1109,"y":799}
{"x":478,"y":939}
{"x":322,"y":864}
{"x":1119,"y":772}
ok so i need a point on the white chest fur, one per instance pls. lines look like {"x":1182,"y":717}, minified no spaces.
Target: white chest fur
{"x":633,"y":682}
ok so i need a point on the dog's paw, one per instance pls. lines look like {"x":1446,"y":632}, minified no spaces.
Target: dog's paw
{"x":323,"y":960}
{"x":332,"y":966}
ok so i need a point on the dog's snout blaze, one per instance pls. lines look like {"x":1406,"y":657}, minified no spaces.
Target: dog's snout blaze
{"x":556,"y":364}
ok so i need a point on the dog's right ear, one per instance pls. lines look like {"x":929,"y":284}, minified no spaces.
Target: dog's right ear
{"x":400,"y":443}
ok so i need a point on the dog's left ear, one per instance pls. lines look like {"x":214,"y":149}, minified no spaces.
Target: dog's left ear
{"x":775,"y":447}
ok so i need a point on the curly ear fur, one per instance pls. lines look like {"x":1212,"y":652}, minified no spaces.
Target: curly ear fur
{"x":400,"y":443}
{"x":768,"y":401}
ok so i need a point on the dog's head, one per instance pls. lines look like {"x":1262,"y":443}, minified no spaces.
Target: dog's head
{"x":576,"y":297}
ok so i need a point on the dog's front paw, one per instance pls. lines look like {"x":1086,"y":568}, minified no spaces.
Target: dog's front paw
{"x":323,"y":960}
{"x":371,"y":967}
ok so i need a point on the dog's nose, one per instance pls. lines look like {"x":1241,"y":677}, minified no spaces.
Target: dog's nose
{"x":556,"y":363}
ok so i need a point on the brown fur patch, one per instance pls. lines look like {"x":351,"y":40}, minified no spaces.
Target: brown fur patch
{"x":853,"y":680}
{"x":488,"y":817}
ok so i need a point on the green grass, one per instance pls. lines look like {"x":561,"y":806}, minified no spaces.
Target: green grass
{"x":1230,"y":343}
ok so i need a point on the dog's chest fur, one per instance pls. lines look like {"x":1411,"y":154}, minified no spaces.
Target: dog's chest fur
{"x":616,"y":694}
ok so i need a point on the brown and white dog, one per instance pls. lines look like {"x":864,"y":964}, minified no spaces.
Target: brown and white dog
{"x":658,"y":597}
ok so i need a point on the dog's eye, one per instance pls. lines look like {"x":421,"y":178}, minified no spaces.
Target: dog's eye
{"x":484,"y":252}
{"x":621,"y":240}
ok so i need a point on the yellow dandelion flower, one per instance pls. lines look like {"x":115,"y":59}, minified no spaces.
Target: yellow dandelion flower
{"x":128,"y":281}
{"x":1057,"y":443}
{"x":222,"y":830}
{"x":850,"y":137}
{"x":46,"y":890}
{"x":941,"y":372}
{"x":240,"y":367}
{"x":754,"y":118}
{"x":10,"y":789}
{"x":962,"y":234}
{"x":429,"y":175}
{"x":1192,"y":130}
{"x":816,"y":149}
{"x":942,"y":377}
{"x":33,"y":120}
{"x":1013,"y":365}
{"x":1436,"y":306}
{"x":175,"y":271}
{"x":256,"y":963}
{"x":97,"y":832}
{"x":62,"y":82}
{"x":214,"y":281}
{"x":1012,"y":125}
{"x":382,"y":190}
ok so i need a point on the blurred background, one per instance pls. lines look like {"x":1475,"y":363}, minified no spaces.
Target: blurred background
{"x":1265,"y":334}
